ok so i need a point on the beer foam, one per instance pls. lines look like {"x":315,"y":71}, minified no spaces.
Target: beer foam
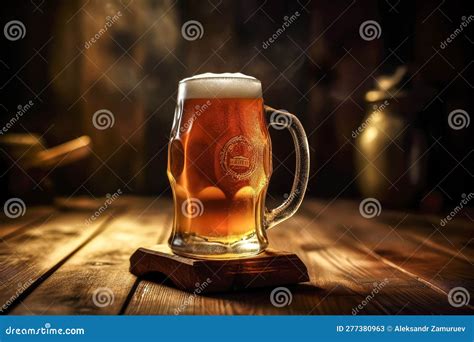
{"x":226,"y":85}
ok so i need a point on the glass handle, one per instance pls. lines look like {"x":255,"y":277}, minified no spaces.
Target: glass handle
{"x":280,"y":120}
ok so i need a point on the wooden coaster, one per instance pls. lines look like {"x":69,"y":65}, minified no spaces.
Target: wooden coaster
{"x":269,"y":268}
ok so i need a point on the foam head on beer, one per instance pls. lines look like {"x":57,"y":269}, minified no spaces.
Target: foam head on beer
{"x":225,"y":85}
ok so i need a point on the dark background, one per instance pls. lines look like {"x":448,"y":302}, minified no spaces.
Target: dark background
{"x":319,"y":69}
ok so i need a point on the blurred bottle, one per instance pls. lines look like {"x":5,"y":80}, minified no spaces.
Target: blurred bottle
{"x":391,"y":151}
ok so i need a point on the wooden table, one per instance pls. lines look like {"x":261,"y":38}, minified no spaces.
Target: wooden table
{"x":53,"y":262}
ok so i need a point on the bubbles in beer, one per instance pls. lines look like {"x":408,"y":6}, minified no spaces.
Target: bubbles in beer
{"x":219,"y":169}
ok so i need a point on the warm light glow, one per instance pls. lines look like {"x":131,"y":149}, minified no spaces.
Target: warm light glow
{"x":370,"y":135}
{"x":372,"y":96}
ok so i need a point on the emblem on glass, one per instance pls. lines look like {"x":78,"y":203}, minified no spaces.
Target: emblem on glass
{"x":220,"y":164}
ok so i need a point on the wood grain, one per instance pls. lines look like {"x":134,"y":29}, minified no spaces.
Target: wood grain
{"x":33,"y":216}
{"x":344,"y":278}
{"x":28,"y":258}
{"x":96,"y":279}
{"x":411,"y":243}
{"x":269,"y":268}
{"x":398,"y":250}
{"x":314,"y":298}
{"x":395,"y":263}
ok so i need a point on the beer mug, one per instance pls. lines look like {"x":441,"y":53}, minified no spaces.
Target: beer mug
{"x":219,"y":167}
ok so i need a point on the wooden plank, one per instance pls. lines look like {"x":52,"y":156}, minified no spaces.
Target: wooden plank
{"x":319,"y":297}
{"x":341,"y":278}
{"x":26,"y":259}
{"x":335,"y":247}
{"x":274,"y":268}
{"x":33,"y":216}
{"x":397,"y":248}
{"x":457,"y":235}
{"x":338,"y":261}
{"x":158,"y":296}
{"x":96,"y":279}
{"x":414,"y":241}
{"x":455,"y":238}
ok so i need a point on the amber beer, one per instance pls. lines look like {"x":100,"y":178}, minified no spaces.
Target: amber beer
{"x":219,"y":167}
{"x":219,"y":170}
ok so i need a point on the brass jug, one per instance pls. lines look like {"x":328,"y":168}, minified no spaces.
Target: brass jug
{"x":390,"y":150}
